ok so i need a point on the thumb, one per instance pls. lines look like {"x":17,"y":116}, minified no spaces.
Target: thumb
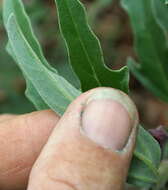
{"x":92,"y":145}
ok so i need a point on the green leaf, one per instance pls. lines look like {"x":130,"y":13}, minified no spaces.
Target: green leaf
{"x":136,"y":69}
{"x":165,"y":151}
{"x":55,"y":91}
{"x":147,"y":156}
{"x":16,"y":7}
{"x":66,"y":71}
{"x":84,"y":49}
{"x":151,"y":47}
{"x":31,"y":92}
{"x":163,"y":176}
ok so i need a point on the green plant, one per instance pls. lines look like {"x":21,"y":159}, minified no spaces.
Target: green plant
{"x":12,"y":84}
{"x":45,"y":85}
{"x":150,"y":43}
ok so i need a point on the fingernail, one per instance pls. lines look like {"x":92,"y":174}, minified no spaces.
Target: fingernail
{"x":108,"y":118}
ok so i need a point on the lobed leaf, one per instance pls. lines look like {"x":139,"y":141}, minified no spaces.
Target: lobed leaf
{"x":84,"y":49}
{"x":151,"y":47}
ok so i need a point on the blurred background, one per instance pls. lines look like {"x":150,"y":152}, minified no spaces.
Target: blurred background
{"x":110,"y":23}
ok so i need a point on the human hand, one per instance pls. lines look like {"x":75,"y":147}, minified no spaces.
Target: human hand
{"x":90,"y":147}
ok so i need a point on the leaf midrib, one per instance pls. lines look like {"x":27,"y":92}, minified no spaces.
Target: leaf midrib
{"x":142,"y":178}
{"x":148,"y":162}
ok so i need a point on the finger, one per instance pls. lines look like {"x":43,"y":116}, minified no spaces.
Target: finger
{"x":5,"y":117}
{"x":21,"y":140}
{"x":91,"y":147}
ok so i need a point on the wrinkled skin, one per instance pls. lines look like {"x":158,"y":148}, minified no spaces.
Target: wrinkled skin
{"x":41,"y":151}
